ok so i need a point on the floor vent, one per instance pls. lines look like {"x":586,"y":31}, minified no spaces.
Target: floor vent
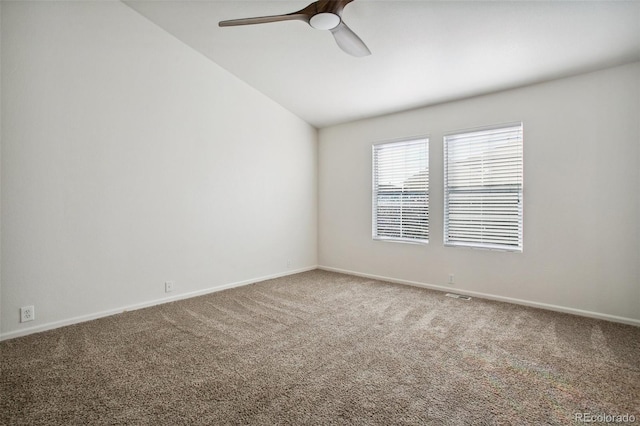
{"x":458,"y":296}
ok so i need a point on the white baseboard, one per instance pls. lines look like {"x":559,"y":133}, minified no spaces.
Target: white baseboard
{"x":89,"y":317}
{"x":480,"y":295}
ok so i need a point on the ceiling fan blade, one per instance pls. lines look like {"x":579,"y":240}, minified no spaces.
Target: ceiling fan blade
{"x":263,"y":20}
{"x":349,"y":41}
{"x":331,"y":6}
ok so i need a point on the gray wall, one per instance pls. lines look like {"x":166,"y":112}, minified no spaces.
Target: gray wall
{"x":128,"y":159}
{"x":581,"y":197}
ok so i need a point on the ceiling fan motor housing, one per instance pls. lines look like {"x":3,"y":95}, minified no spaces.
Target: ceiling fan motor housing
{"x":324,"y":21}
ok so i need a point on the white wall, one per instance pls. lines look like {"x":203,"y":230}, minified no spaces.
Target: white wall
{"x":581,"y":201}
{"x":129,"y":159}
{"x":0,"y":167}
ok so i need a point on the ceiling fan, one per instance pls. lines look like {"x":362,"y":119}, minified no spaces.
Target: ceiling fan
{"x":321,"y":15}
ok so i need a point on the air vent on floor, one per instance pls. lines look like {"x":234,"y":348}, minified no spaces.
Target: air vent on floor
{"x":458,"y":296}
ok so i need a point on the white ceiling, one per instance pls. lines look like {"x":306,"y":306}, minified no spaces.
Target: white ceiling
{"x":423,"y":52}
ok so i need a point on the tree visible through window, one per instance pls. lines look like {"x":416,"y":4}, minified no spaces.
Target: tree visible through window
{"x":483,"y":188}
{"x":401,"y":191}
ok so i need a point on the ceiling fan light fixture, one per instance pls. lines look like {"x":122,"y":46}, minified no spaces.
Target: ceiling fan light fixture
{"x":324,"y":21}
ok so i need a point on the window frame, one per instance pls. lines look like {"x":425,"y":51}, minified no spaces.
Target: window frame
{"x":479,"y":244}
{"x":424,"y":139}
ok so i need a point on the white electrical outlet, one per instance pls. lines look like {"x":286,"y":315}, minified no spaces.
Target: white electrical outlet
{"x":288,"y":263}
{"x":168,"y":286}
{"x":27,"y":313}
{"x":451,"y":279}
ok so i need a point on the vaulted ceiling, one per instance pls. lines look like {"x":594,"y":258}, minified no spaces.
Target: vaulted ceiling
{"x":423,"y":52}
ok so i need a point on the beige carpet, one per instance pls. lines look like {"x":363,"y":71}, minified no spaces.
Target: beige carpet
{"x":323,"y":348}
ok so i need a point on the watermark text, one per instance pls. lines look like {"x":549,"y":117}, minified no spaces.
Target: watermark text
{"x":603,"y":418}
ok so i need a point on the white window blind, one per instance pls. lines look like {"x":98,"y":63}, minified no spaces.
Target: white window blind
{"x":483,"y":188}
{"x":401,"y":191}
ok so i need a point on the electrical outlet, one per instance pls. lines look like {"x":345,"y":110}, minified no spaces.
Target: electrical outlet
{"x":27,"y":313}
{"x":288,"y":263}
{"x":168,"y":286}
{"x":451,"y":279}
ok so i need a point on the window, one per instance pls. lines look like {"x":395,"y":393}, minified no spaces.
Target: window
{"x":483,"y":173}
{"x":401,"y":191}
